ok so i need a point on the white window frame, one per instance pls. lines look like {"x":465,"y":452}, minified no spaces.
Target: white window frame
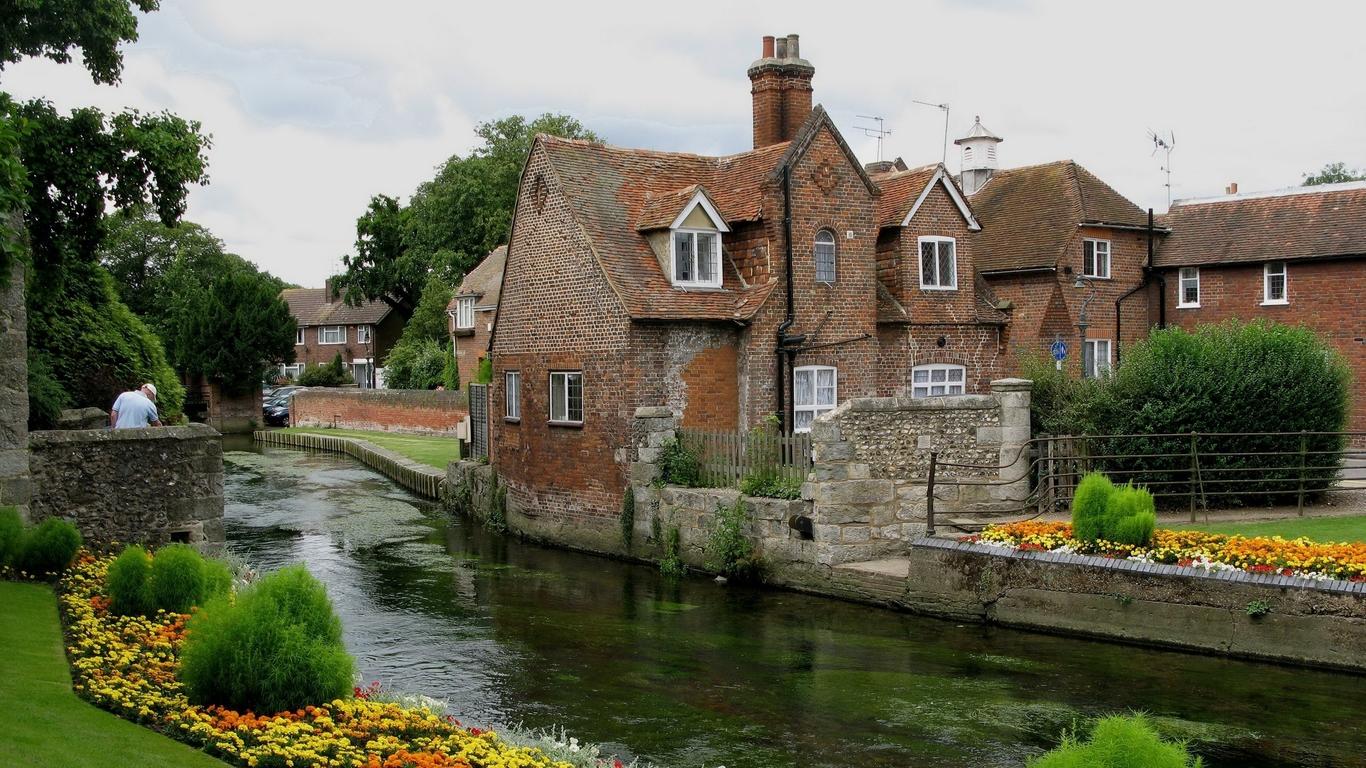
{"x":1094,"y":270}
{"x":939,"y":284}
{"x":464,"y":313}
{"x":292,"y":371}
{"x":1284,"y":274}
{"x":365,"y":363}
{"x":927,"y":387}
{"x":1187,"y":275}
{"x":364,"y":334}
{"x":299,"y":336}
{"x":561,"y":398}
{"x":1093,"y":370}
{"x":715,"y":282}
{"x":816,"y":244}
{"x":322,"y":334}
{"x":815,"y":407}
{"x":512,"y":395}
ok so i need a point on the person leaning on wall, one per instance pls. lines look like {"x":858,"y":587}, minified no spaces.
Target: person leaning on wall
{"x":135,"y":408}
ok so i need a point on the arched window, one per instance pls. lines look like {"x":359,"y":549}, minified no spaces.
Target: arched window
{"x":825,"y":256}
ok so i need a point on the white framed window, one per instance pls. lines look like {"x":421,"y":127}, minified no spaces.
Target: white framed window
{"x":1274,"y":282}
{"x":566,"y":397}
{"x":464,"y":312}
{"x":1095,"y":360}
{"x":363,"y":334}
{"x":331,"y":334}
{"x":935,"y":379}
{"x":824,"y":251}
{"x":1095,"y":258}
{"x":696,"y":258}
{"x":1190,"y":288}
{"x":292,"y":371}
{"x":938,"y":263}
{"x":298,"y":336}
{"x":512,"y":395}
{"x":814,"y":389}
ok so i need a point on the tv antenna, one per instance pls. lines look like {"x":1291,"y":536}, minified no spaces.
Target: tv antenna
{"x":880,"y":132}
{"x":944,"y":155}
{"x":1165,"y":146}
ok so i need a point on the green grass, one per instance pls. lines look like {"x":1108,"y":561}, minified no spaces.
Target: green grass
{"x":44,"y":723}
{"x":1317,"y":528}
{"x":430,"y":450}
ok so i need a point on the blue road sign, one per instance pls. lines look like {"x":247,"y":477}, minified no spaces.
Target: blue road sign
{"x":1059,"y":349}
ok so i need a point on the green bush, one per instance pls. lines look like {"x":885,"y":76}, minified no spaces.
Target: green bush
{"x":217,"y":578}
{"x":1090,"y":506}
{"x":485,"y":373}
{"x":1119,"y":742}
{"x":11,"y":535}
{"x":678,"y":465}
{"x":129,"y":582}
{"x":333,"y":374}
{"x":1131,"y":517}
{"x":771,"y":486}
{"x":729,"y":551}
{"x":416,"y":364}
{"x":49,"y":548}
{"x":177,"y":578}
{"x":671,"y":564}
{"x":46,"y":396}
{"x":277,"y":647}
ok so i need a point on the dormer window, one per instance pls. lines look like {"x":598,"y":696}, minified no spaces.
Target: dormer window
{"x":695,"y":244}
{"x":464,"y":313}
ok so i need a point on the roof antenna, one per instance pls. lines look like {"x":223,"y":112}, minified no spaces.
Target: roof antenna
{"x":880,"y":132}
{"x":944,"y":156}
{"x":1166,"y":146}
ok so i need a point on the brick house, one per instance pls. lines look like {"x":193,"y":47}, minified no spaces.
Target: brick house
{"x":363,"y":335}
{"x":473,"y":311}
{"x":1295,"y":256}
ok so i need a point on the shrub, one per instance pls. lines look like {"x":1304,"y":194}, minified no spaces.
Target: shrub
{"x":277,"y":647}
{"x":1130,"y":517}
{"x":129,"y":582}
{"x":1090,"y":506}
{"x":217,"y":578}
{"x":11,"y":535}
{"x":771,"y":486}
{"x":49,"y":548}
{"x":416,"y":363}
{"x":1119,"y":742}
{"x":729,"y":551}
{"x":331,"y":374}
{"x":177,"y":578}
{"x":485,"y":373}
{"x":678,"y":465}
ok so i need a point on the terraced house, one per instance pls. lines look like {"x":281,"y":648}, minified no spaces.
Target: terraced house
{"x":328,"y":327}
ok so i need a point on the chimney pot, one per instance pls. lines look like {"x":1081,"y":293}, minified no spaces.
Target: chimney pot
{"x":768,"y":46}
{"x":782,"y":48}
{"x":793,"y":47}
{"x":1232,"y":188}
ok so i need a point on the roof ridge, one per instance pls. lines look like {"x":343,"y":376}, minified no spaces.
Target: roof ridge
{"x":1002,"y":171}
{"x":551,"y":139}
{"x":1316,"y":189}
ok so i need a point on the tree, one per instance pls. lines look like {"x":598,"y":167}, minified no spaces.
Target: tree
{"x":1334,"y":173}
{"x":53,"y":27}
{"x":419,"y":359}
{"x":138,"y":250}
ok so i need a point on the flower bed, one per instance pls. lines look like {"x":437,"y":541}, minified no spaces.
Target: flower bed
{"x":127,"y":664}
{"x":1209,"y":551}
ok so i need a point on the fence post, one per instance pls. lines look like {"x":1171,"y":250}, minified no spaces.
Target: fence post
{"x":1304,"y":447}
{"x":929,"y":499}
{"x":1195,"y":474}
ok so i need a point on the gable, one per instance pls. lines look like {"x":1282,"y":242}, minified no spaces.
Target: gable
{"x":941,"y":182}
{"x":817,"y":123}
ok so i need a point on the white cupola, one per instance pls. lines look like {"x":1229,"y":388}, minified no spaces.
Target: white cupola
{"x":979,"y":156}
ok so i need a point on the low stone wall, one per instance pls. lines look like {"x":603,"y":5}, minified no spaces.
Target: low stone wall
{"x":14,"y":472}
{"x":1308,"y":622}
{"x":386,"y":410}
{"x":148,"y":485}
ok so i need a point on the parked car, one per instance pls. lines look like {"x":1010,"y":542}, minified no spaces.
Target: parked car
{"x":275,"y":409}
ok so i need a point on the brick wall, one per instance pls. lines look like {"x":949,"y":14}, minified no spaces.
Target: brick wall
{"x":384,"y":335}
{"x":471,"y":346}
{"x":1325,"y":296}
{"x":385,"y":410}
{"x":690,"y":367}
{"x":227,"y":413}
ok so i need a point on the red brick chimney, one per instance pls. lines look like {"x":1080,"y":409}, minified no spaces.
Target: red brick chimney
{"x":1232,"y":188}
{"x":781,"y":89}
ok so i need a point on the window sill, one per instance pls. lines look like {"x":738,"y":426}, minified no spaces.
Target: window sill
{"x":938,"y":287}
{"x":1280,"y":303}
{"x":698,"y":287}
{"x":331,"y":343}
{"x":463,"y":332}
{"x":512,"y":419}
{"x":569,"y":424}
{"x":1096,"y":277}
{"x":1187,"y":306}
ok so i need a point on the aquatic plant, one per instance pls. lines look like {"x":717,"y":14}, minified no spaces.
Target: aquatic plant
{"x":628,"y":518}
{"x":1119,"y":742}
{"x":671,"y":564}
{"x":729,"y":551}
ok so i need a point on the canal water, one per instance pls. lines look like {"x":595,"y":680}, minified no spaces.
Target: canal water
{"x":690,"y":673}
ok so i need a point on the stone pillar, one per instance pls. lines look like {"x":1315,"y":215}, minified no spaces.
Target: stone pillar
{"x":654,"y":426}
{"x":1014,"y":397}
{"x":14,"y":471}
{"x":854,"y":516}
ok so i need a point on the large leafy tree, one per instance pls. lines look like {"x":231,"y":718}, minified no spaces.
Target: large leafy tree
{"x":52,"y":28}
{"x":1334,"y":173}
{"x":451,"y":221}
{"x":418,"y":359}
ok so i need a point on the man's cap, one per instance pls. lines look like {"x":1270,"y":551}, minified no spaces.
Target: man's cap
{"x":150,"y":387}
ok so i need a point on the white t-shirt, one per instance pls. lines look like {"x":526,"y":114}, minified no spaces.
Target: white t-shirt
{"x":134,"y":410}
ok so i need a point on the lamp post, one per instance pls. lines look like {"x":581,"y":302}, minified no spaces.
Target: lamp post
{"x":1082,"y":324}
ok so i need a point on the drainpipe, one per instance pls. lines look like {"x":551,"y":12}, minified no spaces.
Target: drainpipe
{"x":1143,"y":283}
{"x":784,"y":341}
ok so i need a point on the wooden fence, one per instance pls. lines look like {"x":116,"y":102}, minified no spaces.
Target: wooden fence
{"x":725,"y":458}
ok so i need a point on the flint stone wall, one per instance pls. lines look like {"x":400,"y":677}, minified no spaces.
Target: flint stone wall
{"x":149,"y":486}
{"x":14,"y":472}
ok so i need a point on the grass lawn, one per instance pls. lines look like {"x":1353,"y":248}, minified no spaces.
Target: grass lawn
{"x":44,"y":723}
{"x":432,"y":451}
{"x":1318,"y":528}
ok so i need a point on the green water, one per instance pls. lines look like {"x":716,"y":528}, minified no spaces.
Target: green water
{"x":691,"y":673}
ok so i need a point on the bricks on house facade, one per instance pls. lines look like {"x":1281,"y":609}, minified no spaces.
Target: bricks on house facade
{"x":473,"y":311}
{"x":362,"y":335}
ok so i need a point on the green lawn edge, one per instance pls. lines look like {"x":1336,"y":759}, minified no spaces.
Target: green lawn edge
{"x":1324,"y":529}
{"x":45,"y":723}
{"x":434,"y":451}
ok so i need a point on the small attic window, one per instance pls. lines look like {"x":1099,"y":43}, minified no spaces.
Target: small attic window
{"x":695,"y":244}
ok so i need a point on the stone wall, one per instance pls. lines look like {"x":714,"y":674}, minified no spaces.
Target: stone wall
{"x":228,"y":413}
{"x":385,"y":410}
{"x":148,"y":485}
{"x":14,"y":471}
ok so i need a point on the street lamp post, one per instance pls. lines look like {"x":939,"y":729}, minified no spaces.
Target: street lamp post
{"x":1082,"y":324}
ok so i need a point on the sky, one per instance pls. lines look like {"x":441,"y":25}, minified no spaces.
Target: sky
{"x":315,"y":107}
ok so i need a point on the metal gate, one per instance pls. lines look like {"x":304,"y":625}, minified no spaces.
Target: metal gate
{"x":479,"y":421}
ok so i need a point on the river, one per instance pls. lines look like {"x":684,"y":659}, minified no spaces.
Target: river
{"x":689,"y":673}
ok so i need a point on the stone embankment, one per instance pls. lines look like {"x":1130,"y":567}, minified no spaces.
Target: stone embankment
{"x":415,"y":476}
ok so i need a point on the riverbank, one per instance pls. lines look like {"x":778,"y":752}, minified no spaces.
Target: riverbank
{"x":433,"y":451}
{"x":418,"y":477}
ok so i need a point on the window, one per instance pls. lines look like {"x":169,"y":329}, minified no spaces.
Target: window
{"x":512,"y":395}
{"x":938,"y":379}
{"x":1273,"y":283}
{"x":298,"y":336}
{"x":697,"y":258}
{"x":813,"y":393}
{"x":566,"y":397}
{"x":1190,"y":287}
{"x":331,"y":334}
{"x":464,"y":312}
{"x":362,"y":334}
{"x":1095,"y":258}
{"x":292,"y":372}
{"x":1095,"y":358}
{"x":825,"y":256}
{"x":938,"y":263}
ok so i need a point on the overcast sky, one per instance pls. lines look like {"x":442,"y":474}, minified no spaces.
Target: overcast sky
{"x":314,"y":107}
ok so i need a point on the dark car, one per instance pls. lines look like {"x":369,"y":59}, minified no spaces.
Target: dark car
{"x":275,"y":409}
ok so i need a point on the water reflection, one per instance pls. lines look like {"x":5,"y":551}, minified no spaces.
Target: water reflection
{"x":688,"y":673}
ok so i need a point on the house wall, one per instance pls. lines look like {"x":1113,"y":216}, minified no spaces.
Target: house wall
{"x":385,"y":335}
{"x":471,"y":346}
{"x":228,"y":413}
{"x":1325,"y":296}
{"x":690,"y":367}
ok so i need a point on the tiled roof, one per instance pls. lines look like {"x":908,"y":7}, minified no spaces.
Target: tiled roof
{"x":1303,"y":223}
{"x":986,"y":303}
{"x":485,"y":280}
{"x":899,"y":192}
{"x":1029,"y":214}
{"x":312,"y":306}
{"x":889,"y":310}
{"x":661,"y":210}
